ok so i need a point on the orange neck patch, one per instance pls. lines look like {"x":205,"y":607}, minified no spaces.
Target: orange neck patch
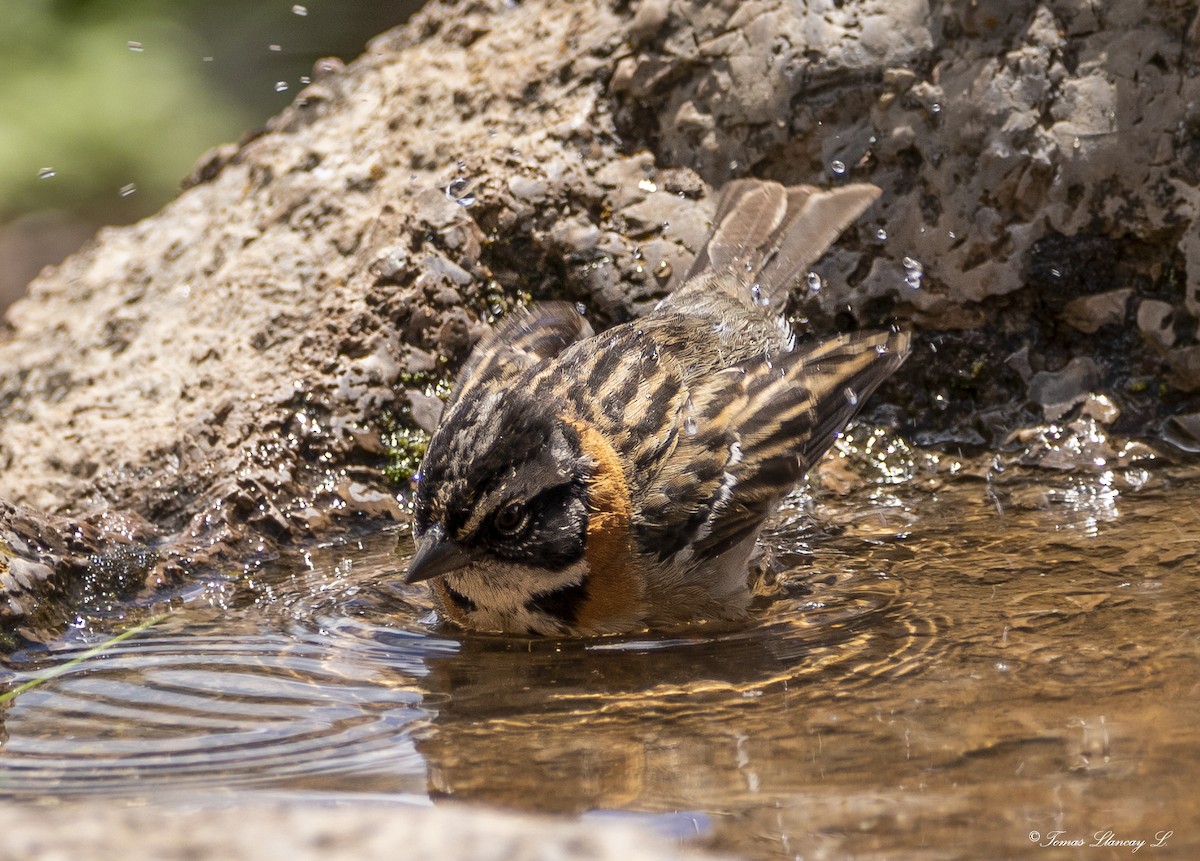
{"x":614,"y":590}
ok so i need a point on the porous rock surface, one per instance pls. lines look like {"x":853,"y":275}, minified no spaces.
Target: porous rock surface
{"x":218,"y":377}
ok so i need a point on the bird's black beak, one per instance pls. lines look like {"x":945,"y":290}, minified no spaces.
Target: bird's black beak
{"x":436,"y":555}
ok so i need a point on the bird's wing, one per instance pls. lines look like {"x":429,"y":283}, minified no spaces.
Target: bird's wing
{"x":755,"y":430}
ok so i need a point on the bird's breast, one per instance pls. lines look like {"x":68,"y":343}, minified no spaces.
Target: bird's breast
{"x":615,"y":589}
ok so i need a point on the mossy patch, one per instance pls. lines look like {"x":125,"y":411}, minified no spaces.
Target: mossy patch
{"x":404,"y":447}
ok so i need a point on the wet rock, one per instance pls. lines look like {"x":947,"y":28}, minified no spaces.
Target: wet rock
{"x":1101,"y":408}
{"x":1183,"y":432}
{"x":426,"y":410}
{"x":1058,"y":391}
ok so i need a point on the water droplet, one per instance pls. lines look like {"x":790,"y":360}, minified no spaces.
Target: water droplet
{"x":136,"y":47}
{"x":1076,"y":143}
{"x":689,"y":425}
{"x":647,"y":185}
{"x":851,"y":396}
{"x":814,"y":282}
{"x":913,"y":272}
{"x":280,"y":86}
{"x":935,"y":108}
{"x":759,"y":297}
{"x":882,"y":349}
{"x":497,"y":310}
{"x":881,"y":234}
{"x":47,"y":173}
{"x":837,"y":167}
{"x":299,"y":10}
{"x":128,"y":189}
{"x":581,"y":309}
{"x":459,"y":190}
{"x":662,"y":271}
{"x":734,"y":165}
{"x":1055,"y":272}
{"x":275,"y":48}
{"x":305,"y":79}
{"x":206,"y":59}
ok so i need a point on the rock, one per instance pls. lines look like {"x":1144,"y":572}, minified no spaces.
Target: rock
{"x":527,"y":189}
{"x":1154,"y":320}
{"x":426,"y":410}
{"x":1184,"y":364}
{"x":1183,"y":432}
{"x":419,"y":362}
{"x":1058,"y":391}
{"x":1101,"y":408}
{"x":311,"y":831}
{"x":1089,"y":313}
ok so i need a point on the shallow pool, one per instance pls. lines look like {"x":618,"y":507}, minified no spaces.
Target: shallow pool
{"x":979,"y":667}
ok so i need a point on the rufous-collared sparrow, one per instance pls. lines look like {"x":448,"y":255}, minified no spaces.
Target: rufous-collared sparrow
{"x":583,"y":484}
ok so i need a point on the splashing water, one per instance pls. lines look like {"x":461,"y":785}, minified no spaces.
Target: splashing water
{"x":913,"y":272}
{"x":459,"y":190}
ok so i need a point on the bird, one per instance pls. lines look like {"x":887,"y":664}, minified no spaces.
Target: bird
{"x":583,"y":484}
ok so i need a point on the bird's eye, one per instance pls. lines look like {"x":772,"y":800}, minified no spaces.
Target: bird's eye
{"x":510,"y":518}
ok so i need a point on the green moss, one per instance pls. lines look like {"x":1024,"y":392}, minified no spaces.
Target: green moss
{"x":404,"y":447}
{"x":494,"y":302}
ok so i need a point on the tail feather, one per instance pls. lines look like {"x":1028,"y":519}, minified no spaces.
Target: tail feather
{"x":771,"y":235}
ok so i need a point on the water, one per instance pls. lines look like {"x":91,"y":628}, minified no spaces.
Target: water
{"x":939,"y":673}
{"x":914,"y":271}
{"x":459,"y":190}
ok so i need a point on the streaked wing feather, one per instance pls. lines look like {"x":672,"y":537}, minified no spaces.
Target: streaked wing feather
{"x":782,"y":417}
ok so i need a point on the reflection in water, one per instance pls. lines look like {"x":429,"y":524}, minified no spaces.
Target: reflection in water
{"x":938,"y":670}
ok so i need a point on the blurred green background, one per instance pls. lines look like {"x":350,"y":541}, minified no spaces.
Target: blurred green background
{"x":106,"y":104}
